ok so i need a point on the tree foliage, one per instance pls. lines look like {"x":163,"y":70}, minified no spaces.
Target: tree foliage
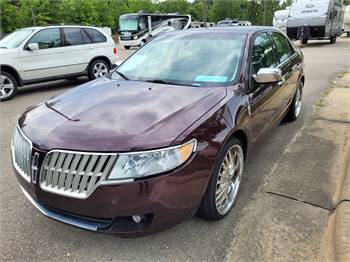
{"x":18,"y":13}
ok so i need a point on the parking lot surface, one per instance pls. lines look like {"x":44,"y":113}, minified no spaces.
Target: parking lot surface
{"x":245,"y":234}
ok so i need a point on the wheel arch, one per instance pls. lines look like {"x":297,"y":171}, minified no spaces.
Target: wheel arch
{"x":242,"y":137}
{"x":104,"y":58}
{"x":13,"y":72}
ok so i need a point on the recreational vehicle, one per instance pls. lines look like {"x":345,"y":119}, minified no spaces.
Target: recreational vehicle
{"x":233,"y":22}
{"x":315,"y":19}
{"x":138,"y":28}
{"x":280,"y":19}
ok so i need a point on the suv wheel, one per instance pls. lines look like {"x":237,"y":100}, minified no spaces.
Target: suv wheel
{"x":8,"y":86}
{"x":98,"y":68}
{"x":224,"y":183}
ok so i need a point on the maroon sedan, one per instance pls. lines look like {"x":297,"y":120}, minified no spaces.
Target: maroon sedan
{"x":164,"y":136}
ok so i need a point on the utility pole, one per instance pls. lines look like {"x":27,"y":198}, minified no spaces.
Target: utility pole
{"x":32,"y":11}
{"x":265,"y":12}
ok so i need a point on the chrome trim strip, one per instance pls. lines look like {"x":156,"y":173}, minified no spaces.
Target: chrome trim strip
{"x":162,"y":149}
{"x":62,"y":218}
{"x":27,"y":178}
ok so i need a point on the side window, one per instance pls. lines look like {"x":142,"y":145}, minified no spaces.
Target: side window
{"x":73,"y":36}
{"x":47,"y":38}
{"x":262,"y":53}
{"x":284,"y":50}
{"x":86,"y":37}
{"x":95,"y":36}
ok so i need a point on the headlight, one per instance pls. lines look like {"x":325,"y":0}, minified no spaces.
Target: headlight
{"x":142,"y":164}
{"x":135,"y":37}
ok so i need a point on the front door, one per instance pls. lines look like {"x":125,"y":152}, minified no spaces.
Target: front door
{"x":49,"y":60}
{"x":265,"y":99}
{"x":289,"y":65}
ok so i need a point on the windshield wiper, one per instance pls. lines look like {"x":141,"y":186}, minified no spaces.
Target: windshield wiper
{"x":122,"y":75}
{"x":161,"y":81}
{"x":3,"y":47}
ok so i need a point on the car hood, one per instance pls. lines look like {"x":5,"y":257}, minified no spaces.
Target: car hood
{"x":114,"y":116}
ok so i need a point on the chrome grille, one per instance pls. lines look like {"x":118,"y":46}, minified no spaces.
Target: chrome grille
{"x":74,"y":174}
{"x":21,"y":149}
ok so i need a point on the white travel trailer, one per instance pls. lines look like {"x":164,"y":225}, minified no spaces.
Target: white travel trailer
{"x":280,"y":19}
{"x":315,"y":19}
{"x":346,"y":25}
{"x":138,"y":28}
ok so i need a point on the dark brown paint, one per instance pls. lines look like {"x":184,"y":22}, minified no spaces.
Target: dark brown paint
{"x":116,"y":116}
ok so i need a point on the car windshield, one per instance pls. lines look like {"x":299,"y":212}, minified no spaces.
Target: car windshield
{"x":128,"y":24}
{"x":201,"y":59}
{"x":16,"y":38}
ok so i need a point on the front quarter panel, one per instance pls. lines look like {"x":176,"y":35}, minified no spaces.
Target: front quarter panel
{"x":216,"y":127}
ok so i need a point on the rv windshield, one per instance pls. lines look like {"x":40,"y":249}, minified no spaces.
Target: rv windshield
{"x":128,"y":24}
{"x":198,"y":59}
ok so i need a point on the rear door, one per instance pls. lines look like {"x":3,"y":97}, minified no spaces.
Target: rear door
{"x":289,"y":64}
{"x":49,"y":60}
{"x":78,"y":49}
{"x":265,"y":99}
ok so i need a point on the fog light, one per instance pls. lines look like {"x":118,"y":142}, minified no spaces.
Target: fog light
{"x":137,"y":218}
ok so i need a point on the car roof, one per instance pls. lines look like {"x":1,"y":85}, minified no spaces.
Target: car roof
{"x":55,"y":26}
{"x":233,"y":29}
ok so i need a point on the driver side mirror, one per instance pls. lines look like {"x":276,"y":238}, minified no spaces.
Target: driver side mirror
{"x":268,"y":75}
{"x":33,"y":46}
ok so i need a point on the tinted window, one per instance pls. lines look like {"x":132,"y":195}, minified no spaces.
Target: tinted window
{"x":262,"y":56}
{"x":86,"y":37}
{"x":47,"y":38}
{"x":95,"y":36}
{"x":284,"y":50}
{"x":73,"y":36}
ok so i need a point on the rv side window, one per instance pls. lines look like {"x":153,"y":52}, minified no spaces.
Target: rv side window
{"x":284,"y":49}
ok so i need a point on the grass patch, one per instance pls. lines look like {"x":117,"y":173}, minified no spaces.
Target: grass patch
{"x":341,"y":74}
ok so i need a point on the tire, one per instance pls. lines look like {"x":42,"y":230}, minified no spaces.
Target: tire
{"x":332,"y":40}
{"x":304,"y":41}
{"x":98,"y":68}
{"x":348,"y":34}
{"x":218,"y":189}
{"x":127,"y":47}
{"x":8,"y":86}
{"x":295,"y":107}
{"x":143,"y":42}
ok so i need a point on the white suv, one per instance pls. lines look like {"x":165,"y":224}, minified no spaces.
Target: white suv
{"x":38,"y":54}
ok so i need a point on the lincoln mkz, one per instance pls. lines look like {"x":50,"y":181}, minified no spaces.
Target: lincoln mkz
{"x":162,"y":137}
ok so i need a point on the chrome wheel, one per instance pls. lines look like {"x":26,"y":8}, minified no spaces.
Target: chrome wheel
{"x":7,"y":87}
{"x":297,"y":105}
{"x":229,"y":179}
{"x":99,"y":69}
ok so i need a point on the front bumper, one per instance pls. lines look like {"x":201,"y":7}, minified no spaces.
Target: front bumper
{"x":163,"y":201}
{"x":130,"y":42}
